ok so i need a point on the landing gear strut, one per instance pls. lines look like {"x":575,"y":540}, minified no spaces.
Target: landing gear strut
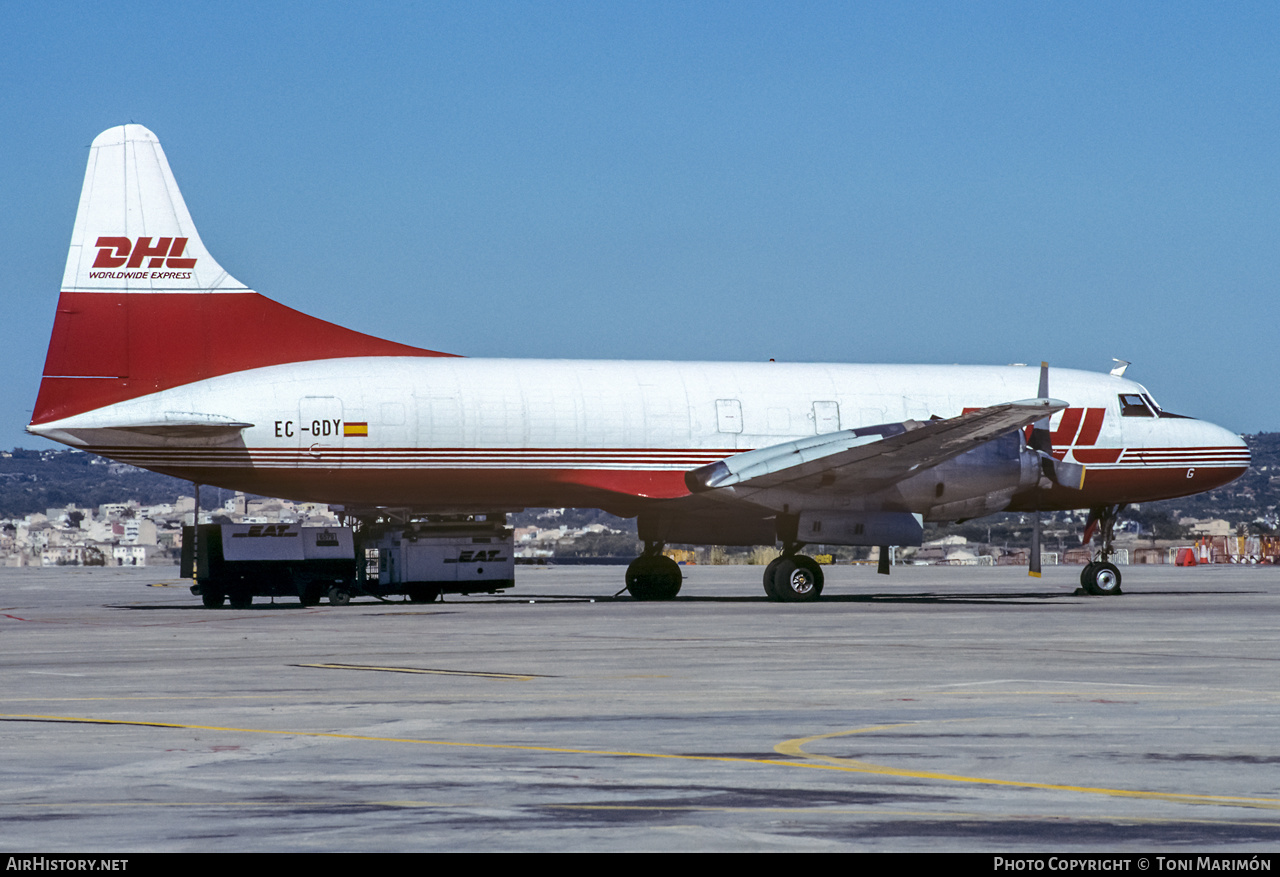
{"x":653,"y":575}
{"x":793,"y":578}
{"x":1100,"y":577}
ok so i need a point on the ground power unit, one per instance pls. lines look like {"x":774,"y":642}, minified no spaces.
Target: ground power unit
{"x":421,"y":561}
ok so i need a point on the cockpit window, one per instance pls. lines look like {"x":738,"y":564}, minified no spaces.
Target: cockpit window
{"x":1132,"y":405}
{"x":1160,"y":412}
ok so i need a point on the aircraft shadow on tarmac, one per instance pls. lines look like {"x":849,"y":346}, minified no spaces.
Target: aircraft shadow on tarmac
{"x":983,"y":598}
{"x":284,"y":604}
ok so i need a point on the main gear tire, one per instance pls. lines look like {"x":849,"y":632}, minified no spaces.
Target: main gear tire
{"x":797,"y":579}
{"x":654,"y":577}
{"x":768,"y":578}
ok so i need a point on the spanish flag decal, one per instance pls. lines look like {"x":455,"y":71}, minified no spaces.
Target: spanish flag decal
{"x":356,"y":429}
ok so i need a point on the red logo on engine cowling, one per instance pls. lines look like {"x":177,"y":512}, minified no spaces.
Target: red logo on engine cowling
{"x":124,"y":253}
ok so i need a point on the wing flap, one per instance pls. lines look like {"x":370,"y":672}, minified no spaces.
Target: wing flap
{"x":867,"y":458}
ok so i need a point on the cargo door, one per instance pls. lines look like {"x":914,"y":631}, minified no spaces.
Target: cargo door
{"x":729,"y":416}
{"x":826,"y":417}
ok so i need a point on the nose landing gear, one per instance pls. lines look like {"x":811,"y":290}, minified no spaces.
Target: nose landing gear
{"x":1100,"y":578}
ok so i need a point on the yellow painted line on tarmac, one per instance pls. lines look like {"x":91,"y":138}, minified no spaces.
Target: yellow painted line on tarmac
{"x":407,"y":740}
{"x":792,"y":748}
{"x":523,"y":677}
{"x":795,"y":748}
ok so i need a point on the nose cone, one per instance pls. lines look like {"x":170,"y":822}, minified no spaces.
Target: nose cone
{"x":1213,"y":456}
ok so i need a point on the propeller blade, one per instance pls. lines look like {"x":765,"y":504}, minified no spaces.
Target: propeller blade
{"x":1042,"y":442}
{"x":1040,"y":439}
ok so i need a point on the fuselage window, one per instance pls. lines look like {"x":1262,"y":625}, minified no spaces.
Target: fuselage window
{"x":1131,"y":405}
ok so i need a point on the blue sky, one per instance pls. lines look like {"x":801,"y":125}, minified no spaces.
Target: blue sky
{"x":859,"y":182}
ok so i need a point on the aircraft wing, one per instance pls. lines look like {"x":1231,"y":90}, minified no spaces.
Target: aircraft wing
{"x":866,"y":459}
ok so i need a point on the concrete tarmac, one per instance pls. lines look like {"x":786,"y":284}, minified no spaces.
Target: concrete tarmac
{"x":937,"y":709}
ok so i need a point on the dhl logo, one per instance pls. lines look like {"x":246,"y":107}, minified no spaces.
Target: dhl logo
{"x":124,"y":253}
{"x":1078,"y":429}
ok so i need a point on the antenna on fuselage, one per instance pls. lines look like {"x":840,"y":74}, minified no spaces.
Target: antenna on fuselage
{"x":1123,"y":364}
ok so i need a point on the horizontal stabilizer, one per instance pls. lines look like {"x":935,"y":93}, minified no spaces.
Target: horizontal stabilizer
{"x":176,"y":429}
{"x":82,"y":430}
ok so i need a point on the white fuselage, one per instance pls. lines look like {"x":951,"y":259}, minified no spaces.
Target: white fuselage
{"x":508,"y":433}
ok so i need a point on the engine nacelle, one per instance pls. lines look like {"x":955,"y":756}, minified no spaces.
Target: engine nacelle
{"x":979,"y":482}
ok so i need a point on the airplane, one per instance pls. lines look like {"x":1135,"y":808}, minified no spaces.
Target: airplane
{"x":159,"y":358}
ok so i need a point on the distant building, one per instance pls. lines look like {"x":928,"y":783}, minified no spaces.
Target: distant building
{"x":1207,"y":527}
{"x":130,"y":555}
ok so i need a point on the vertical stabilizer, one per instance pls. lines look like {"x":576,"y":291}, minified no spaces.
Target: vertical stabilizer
{"x":145,"y":307}
{"x":133,"y":231}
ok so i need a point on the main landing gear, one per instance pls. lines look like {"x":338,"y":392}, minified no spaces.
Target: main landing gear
{"x":653,"y":575}
{"x":1100,"y":577}
{"x":793,"y":578}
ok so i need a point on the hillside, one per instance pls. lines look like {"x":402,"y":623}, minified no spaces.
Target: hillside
{"x":32,"y":481}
